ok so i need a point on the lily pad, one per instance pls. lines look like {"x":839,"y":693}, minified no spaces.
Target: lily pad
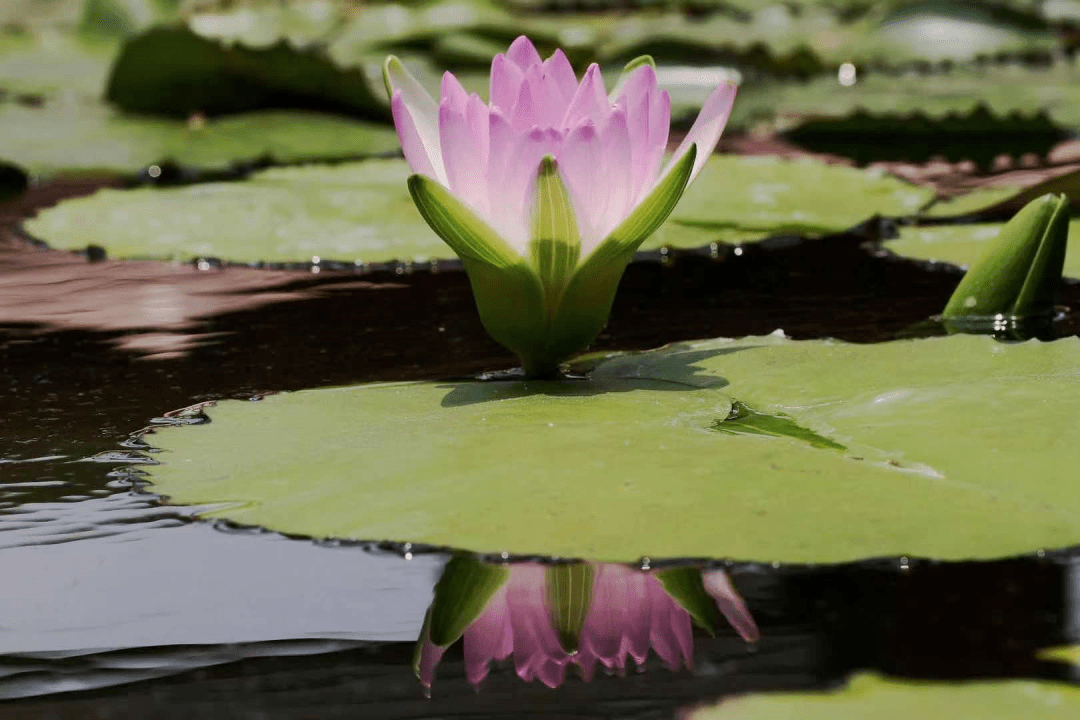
{"x":955,"y":447}
{"x":174,"y":72}
{"x":363,"y":211}
{"x":1003,"y":89}
{"x":871,"y":696}
{"x":964,"y":244}
{"x":75,"y":136}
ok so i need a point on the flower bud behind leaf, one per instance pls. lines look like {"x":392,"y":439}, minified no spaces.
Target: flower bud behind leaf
{"x":1019,"y":275}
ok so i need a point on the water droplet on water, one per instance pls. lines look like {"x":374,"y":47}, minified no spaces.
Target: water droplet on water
{"x":738,"y":251}
{"x":154,"y":171}
{"x":646,"y":563}
{"x":905,"y":563}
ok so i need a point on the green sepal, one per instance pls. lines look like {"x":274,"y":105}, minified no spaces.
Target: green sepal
{"x":569,"y":594}
{"x":628,"y":70}
{"x":686,"y":587}
{"x":459,"y":226}
{"x":1020,"y":273}
{"x":555,"y":243}
{"x":512,"y":308}
{"x":461,"y":595}
{"x":586,"y":302}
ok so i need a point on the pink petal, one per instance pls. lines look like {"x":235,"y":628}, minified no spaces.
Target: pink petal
{"x":560,"y":74}
{"x":522,"y":53}
{"x":589,"y":101}
{"x":706,"y":130}
{"x":489,"y":638}
{"x":506,"y":217}
{"x":538,"y":103}
{"x":640,"y":84}
{"x":684,"y":633}
{"x":659,"y":127}
{"x":578,"y":161}
{"x":463,"y":157}
{"x":615,"y":146}
{"x":536,"y":644}
{"x":517,"y":190}
{"x":731,"y":604}
{"x":505,"y":83}
{"x":551,"y":673}
{"x":417,"y":154}
{"x":527,"y":109}
{"x":637,"y":614}
{"x":672,"y":634}
{"x":453,"y":93}
{"x":430,"y":656}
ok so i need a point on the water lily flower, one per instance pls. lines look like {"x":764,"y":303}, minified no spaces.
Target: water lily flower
{"x":550,"y":616}
{"x":546,"y":191}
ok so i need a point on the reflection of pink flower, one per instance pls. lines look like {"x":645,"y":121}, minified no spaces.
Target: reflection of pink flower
{"x":629,"y":612}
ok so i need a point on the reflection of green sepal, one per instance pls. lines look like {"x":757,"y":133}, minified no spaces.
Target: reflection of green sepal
{"x":461,"y":595}
{"x":569,"y":589}
{"x":1020,"y":272}
{"x":685,"y":586}
{"x":418,"y":650}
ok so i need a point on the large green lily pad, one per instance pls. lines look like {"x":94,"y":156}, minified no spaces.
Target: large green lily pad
{"x":79,"y":136}
{"x":1055,"y":90}
{"x":964,"y":244}
{"x":870,"y":696}
{"x":956,"y":447}
{"x":363,"y":211}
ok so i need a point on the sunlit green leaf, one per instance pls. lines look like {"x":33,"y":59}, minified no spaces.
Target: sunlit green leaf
{"x":965,"y":244}
{"x":626,"y":464}
{"x":364,"y":211}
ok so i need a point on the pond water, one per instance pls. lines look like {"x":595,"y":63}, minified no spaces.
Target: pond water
{"x":120,"y":605}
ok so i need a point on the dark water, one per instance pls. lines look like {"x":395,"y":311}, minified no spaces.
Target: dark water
{"x":116,"y":606}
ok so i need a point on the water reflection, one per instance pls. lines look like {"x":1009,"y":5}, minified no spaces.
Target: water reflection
{"x":550,"y":617}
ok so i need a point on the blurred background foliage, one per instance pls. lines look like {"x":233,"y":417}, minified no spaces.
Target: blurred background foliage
{"x":118,"y":84}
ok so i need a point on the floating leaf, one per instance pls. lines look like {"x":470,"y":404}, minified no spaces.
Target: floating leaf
{"x":1001,"y":202}
{"x":939,"y":433}
{"x":363,"y":211}
{"x":870,"y":696}
{"x":1019,"y":274}
{"x":1002,"y":88}
{"x":78,"y":136}
{"x":174,"y":72}
{"x":964,"y":244}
